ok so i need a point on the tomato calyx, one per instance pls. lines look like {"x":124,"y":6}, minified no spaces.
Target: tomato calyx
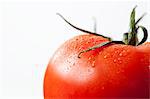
{"x":129,"y":38}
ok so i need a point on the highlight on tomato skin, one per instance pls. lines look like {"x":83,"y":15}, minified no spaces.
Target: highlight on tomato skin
{"x":94,"y":66}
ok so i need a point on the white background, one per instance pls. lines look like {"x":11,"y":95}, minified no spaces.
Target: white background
{"x":31,"y":32}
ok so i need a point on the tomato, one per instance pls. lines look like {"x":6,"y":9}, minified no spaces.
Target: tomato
{"x":111,"y":70}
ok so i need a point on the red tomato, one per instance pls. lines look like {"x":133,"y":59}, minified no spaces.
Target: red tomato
{"x":109,"y":71}
{"x":115,"y":70}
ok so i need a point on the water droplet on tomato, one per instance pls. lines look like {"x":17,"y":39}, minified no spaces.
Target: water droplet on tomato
{"x":93,"y":64}
{"x":120,"y":54}
{"x":119,"y":59}
{"x":80,"y":48}
{"x":120,"y":62}
{"x":105,"y":56}
{"x":89,"y":58}
{"x":123,"y":51}
{"x":115,"y":60}
{"x":67,"y":69}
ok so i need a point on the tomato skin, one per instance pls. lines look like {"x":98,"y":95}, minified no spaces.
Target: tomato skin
{"x":112,"y":71}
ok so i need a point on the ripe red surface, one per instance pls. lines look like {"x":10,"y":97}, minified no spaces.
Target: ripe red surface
{"x":115,"y":70}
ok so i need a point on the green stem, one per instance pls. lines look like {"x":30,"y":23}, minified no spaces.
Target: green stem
{"x":131,"y":37}
{"x":85,"y":31}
